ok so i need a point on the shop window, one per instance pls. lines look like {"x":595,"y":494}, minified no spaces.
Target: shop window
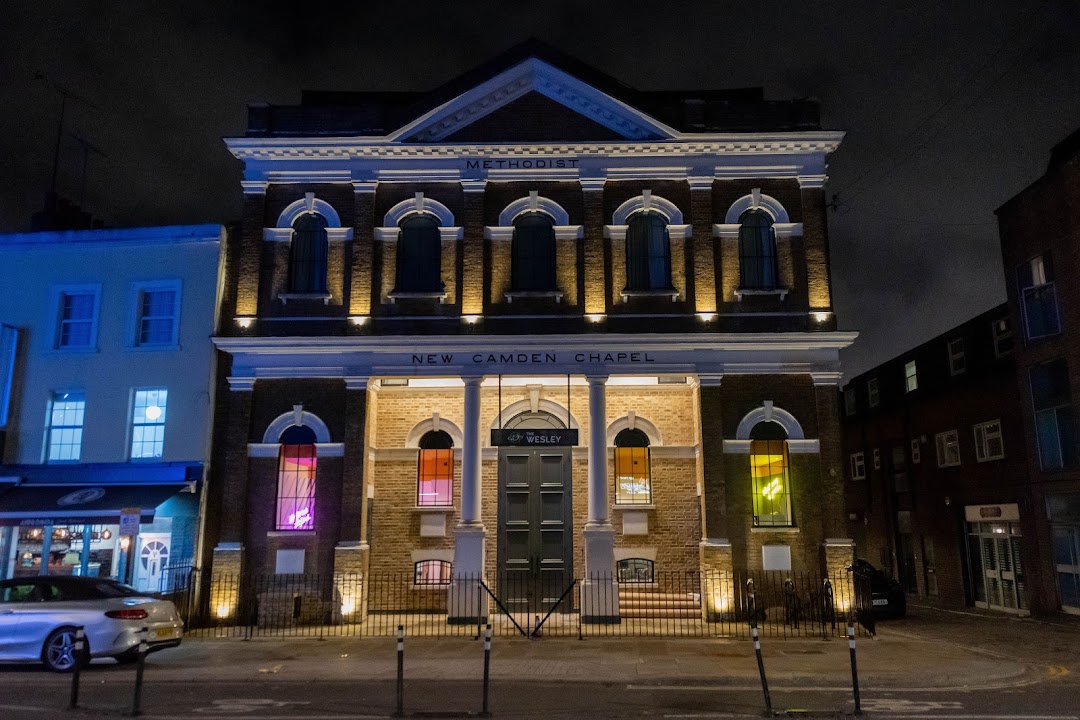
{"x":308,"y":255}
{"x":957,"y":359}
{"x":148,"y":423}
{"x":873,"y":396}
{"x":648,"y":253}
{"x":1055,"y":417}
{"x":532,"y":253}
{"x":419,"y":255}
{"x":989,"y":444}
{"x":633,"y":477}
{"x":296,"y":479}
{"x":64,"y":436}
{"x":432,"y":572}
{"x":1038,"y":297}
{"x":757,"y":251}
{"x":77,"y":315}
{"x":858,"y":466}
{"x":635,"y":570}
{"x":157,"y":311}
{"x":770,"y":477}
{"x":948,"y":448}
{"x":435,"y":470}
{"x":911,"y":377}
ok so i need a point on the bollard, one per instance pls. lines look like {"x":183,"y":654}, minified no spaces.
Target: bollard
{"x":536,"y":627}
{"x":854,"y":669}
{"x":80,"y":645}
{"x":140,"y":667}
{"x":487,"y":669}
{"x":400,"y":671}
{"x":752,"y":598}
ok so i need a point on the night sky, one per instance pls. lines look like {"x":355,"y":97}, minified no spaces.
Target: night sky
{"x":950,"y":109}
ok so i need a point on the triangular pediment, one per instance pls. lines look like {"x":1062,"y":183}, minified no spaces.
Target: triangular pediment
{"x":516,"y":94}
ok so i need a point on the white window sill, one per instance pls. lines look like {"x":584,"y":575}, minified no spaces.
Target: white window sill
{"x":152,"y":348}
{"x":671,"y":293}
{"x":440,"y":296}
{"x":628,"y":506}
{"x":740,"y":292}
{"x":286,"y":297}
{"x":777,"y":529}
{"x":433,"y":508}
{"x":557,"y":294}
{"x":81,"y":350}
{"x":290,"y":533}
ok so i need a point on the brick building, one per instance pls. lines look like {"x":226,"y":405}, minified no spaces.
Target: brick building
{"x":1040,"y":237}
{"x":532,"y":321}
{"x":934,"y":446}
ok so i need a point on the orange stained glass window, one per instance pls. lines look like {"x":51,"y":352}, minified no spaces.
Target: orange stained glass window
{"x":435,"y":482}
{"x":771,"y":482}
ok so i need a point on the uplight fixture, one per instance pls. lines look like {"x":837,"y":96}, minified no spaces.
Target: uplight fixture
{"x":821,"y":316}
{"x":358,"y":320}
{"x":245,"y":321}
{"x":595,"y":317}
{"x":471,"y":319}
{"x":706,"y":316}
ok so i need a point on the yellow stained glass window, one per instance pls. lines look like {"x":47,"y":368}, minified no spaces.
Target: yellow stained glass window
{"x":771,"y":483}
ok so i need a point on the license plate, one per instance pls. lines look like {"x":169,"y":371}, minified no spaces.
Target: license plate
{"x":173,"y":633}
{"x":881,"y":601}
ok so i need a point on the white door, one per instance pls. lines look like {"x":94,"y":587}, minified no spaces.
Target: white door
{"x":152,"y":557}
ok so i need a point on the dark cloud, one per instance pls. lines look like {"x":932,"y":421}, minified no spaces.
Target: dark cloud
{"x":950,"y":108}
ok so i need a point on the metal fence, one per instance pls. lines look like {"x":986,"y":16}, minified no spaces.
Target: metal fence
{"x":673,"y":604}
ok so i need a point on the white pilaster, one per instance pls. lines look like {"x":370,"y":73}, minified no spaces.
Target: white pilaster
{"x":467,"y":600}
{"x":600,"y":589}
{"x":470,"y":455}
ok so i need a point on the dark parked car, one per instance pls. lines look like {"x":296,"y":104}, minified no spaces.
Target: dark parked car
{"x":886,"y":595}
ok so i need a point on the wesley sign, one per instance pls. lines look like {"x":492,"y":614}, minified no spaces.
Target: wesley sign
{"x":534,"y":438}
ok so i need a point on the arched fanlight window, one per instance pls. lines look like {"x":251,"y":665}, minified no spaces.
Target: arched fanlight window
{"x":532,"y":253}
{"x":635,"y":570}
{"x":435,"y":470}
{"x":432,"y":572}
{"x":308,"y":254}
{"x":770,"y":477}
{"x":648,"y":252}
{"x":757,"y":251}
{"x":419,"y":255}
{"x":296,"y":479}
{"x":633,"y":477}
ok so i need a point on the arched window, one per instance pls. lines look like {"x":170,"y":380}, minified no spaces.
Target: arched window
{"x":635,"y":570}
{"x":770,"y":478}
{"x":435,"y":470}
{"x":757,"y":251}
{"x":432,"y":572}
{"x":633,"y":481}
{"x":419,"y":255}
{"x":648,"y":252}
{"x":296,"y":479}
{"x":307,"y":255}
{"x":532,"y":253}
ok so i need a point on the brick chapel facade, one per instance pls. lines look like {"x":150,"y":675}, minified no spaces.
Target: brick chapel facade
{"x":534,"y":322}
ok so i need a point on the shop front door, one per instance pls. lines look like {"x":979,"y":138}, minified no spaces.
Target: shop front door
{"x":535,"y":544}
{"x":151,"y":560}
{"x":998,"y":567}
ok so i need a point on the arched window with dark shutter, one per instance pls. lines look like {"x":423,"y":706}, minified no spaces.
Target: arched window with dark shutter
{"x":648,"y":252}
{"x":307,"y":255}
{"x":532,"y":253}
{"x":757,"y":251}
{"x":633,"y":472}
{"x":296,"y":479}
{"x":419,"y":255}
{"x":435,"y":470}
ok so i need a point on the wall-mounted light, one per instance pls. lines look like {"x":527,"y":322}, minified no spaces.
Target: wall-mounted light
{"x":471,"y":319}
{"x":821,"y":316}
{"x":706,"y":316}
{"x":358,"y":320}
{"x":245,"y":321}
{"x":595,"y":317}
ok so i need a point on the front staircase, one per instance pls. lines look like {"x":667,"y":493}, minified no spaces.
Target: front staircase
{"x":656,"y":603}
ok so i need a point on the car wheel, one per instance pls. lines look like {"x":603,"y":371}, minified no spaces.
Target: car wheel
{"x":58,"y":652}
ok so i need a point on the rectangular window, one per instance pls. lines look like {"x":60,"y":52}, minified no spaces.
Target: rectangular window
{"x":1003,"y":340}
{"x":1038,"y":297}
{"x":148,"y":423}
{"x":432,"y":572}
{"x":877,"y":459}
{"x":64,"y":436}
{"x":948,"y":448}
{"x":957,"y":359}
{"x":633,"y":482}
{"x":435,"y":478}
{"x":988,"y":442}
{"x":849,"y":401}
{"x":872,"y":395}
{"x":296,"y":488}
{"x":772,"y":486}
{"x":157,"y":309}
{"x":76,"y":312}
{"x":1055,"y":418}
{"x":858,"y":466}
{"x":911,"y":377}
{"x":916,"y":451}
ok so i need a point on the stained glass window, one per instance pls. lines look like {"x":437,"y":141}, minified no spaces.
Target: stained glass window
{"x":435,"y":470}
{"x":770,"y":478}
{"x":633,"y":477}
{"x":296,"y":479}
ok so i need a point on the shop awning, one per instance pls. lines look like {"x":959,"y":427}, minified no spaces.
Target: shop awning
{"x":34,"y":504}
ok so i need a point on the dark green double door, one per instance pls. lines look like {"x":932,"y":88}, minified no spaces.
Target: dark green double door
{"x":536,"y":527}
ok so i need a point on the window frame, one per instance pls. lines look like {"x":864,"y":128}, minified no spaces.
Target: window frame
{"x":523,"y":252}
{"x":954,"y":356}
{"x":133,"y":424}
{"x":446,"y":570}
{"x":136,"y":317}
{"x":877,"y":458}
{"x":1046,"y":276}
{"x":911,"y":376}
{"x":280,"y":498}
{"x":1063,"y":463}
{"x":786,"y":486}
{"x":50,"y":427}
{"x":434,"y":267}
{"x":873,"y":392}
{"x":57,"y":315}
{"x":857,"y":461}
{"x":941,"y":441}
{"x":766,"y":263}
{"x":661,"y":285}
{"x":309,"y":260}
{"x":983,"y":438}
{"x":916,"y":451}
{"x":649,"y":565}
{"x":1001,"y":335}
{"x":632,"y":456}
{"x":436,"y":454}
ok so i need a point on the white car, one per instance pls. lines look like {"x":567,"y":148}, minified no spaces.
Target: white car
{"x":39,"y":615}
